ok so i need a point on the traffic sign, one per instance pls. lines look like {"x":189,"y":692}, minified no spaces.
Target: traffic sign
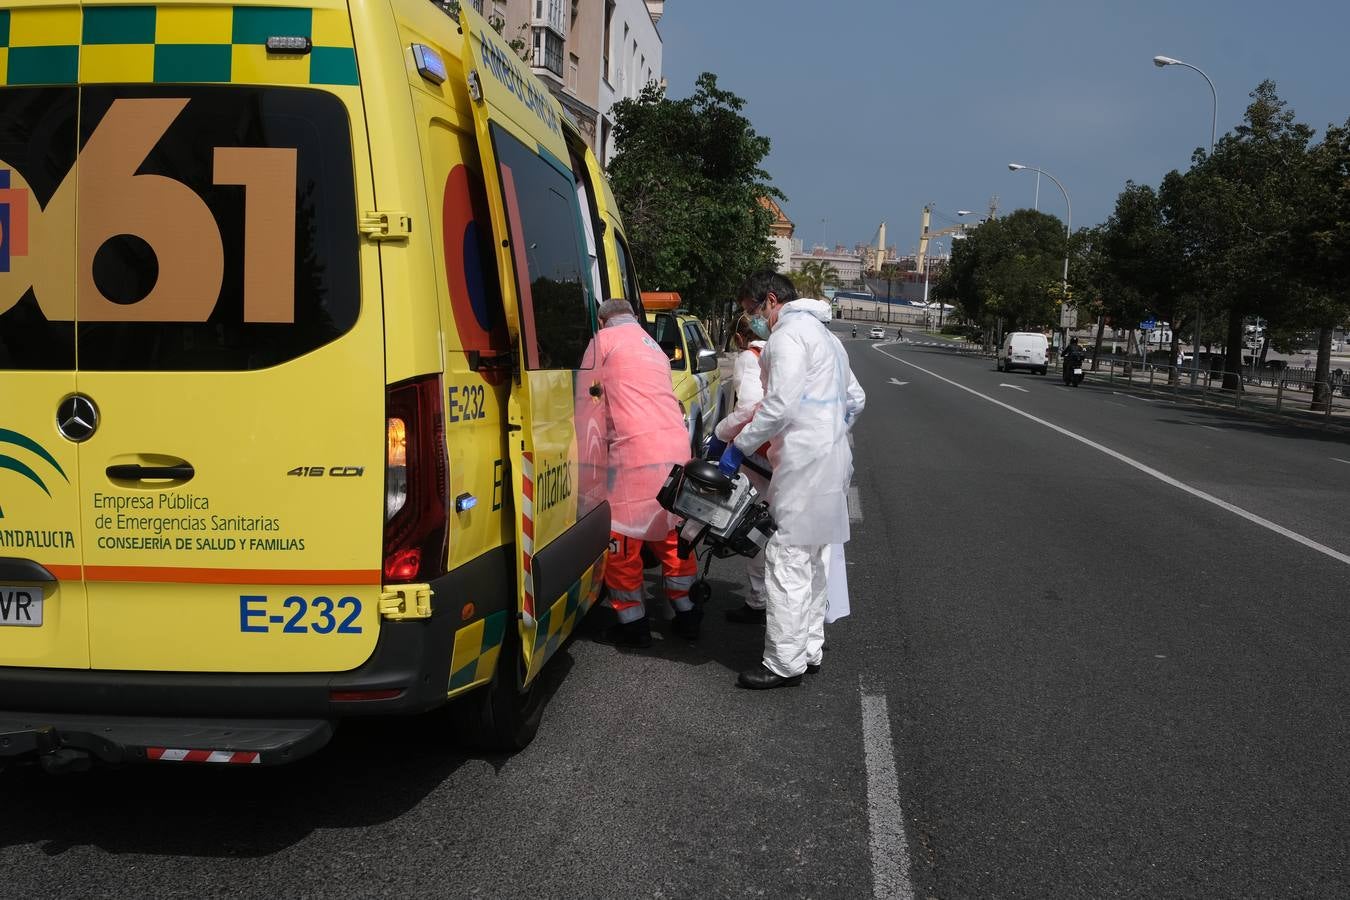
{"x":1148,"y":324}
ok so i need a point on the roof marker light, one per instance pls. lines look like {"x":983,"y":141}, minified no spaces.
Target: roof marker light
{"x":429,"y":63}
{"x":280,"y":43}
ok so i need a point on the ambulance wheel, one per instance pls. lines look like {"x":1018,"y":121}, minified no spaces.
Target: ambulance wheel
{"x":501,"y":716}
{"x":700,"y":592}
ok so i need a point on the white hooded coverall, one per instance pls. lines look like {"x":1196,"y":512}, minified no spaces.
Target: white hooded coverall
{"x":747,"y":382}
{"x":805,"y":416}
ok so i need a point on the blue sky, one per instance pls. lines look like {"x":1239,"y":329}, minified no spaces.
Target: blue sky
{"x":876,"y":107}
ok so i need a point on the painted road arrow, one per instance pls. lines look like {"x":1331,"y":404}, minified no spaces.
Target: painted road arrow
{"x":898,"y":381}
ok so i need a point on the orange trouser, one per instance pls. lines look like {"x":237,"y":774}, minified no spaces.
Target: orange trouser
{"x":623,"y":574}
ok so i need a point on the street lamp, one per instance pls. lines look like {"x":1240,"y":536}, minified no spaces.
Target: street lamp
{"x":1068,"y":227}
{"x":1163,"y":62}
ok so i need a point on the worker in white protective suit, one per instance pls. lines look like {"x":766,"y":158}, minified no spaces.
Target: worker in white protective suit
{"x":805,"y":416}
{"x":748,"y":387}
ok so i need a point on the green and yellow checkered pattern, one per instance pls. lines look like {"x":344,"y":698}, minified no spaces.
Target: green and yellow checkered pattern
{"x":558,"y":620}
{"x":476,"y":648}
{"x":165,"y":45}
{"x":478,"y":644}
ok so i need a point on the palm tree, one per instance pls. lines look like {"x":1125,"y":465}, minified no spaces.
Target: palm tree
{"x":891,"y":272}
{"x":811,"y":278}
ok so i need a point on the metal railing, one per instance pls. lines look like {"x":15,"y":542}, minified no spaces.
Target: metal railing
{"x":1288,"y":394}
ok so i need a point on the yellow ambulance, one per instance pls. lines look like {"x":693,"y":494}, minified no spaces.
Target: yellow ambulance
{"x":694,"y":371}
{"x":297,"y":417}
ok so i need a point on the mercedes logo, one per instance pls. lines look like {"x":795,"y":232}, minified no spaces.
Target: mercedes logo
{"x":77,"y":418}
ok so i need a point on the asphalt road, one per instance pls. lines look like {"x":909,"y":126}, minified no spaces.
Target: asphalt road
{"x":1064,"y":676}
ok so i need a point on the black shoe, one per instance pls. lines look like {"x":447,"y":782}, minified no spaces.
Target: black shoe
{"x":761,"y":679}
{"x":745,"y":614}
{"x":636,"y":635}
{"x":812,"y":668}
{"x":686,"y":624}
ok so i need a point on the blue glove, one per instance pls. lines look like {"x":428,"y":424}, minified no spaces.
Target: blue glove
{"x":731,"y":460}
{"x":716,"y":446}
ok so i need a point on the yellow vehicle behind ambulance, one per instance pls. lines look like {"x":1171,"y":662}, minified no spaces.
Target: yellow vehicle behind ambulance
{"x":297,"y":420}
{"x":694,"y":371}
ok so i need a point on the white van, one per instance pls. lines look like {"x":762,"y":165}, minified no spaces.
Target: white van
{"x":1023,"y":350}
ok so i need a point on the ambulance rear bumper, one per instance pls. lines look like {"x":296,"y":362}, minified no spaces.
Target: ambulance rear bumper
{"x":64,"y":742}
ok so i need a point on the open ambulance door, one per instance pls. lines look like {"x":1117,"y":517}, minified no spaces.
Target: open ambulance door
{"x":555,"y":415}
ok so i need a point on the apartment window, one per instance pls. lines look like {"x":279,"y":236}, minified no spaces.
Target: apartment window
{"x":573,"y":66}
{"x":478,"y":5}
{"x":609,"y":20}
{"x":548,"y":51}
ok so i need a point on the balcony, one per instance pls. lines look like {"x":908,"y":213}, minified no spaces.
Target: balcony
{"x":548,"y":51}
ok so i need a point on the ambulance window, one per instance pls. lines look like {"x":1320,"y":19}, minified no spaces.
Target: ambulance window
{"x":255,"y":183}
{"x":551,"y":265}
{"x":37,"y":153}
{"x":626,"y":273}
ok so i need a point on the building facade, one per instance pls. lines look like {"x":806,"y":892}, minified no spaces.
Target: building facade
{"x":632,"y":52}
{"x":590,"y":53}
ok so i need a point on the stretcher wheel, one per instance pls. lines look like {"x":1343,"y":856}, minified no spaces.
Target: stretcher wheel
{"x":700,"y":592}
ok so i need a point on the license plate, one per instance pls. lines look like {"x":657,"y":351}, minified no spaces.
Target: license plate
{"x":21,"y":606}
{"x":1078,"y":371}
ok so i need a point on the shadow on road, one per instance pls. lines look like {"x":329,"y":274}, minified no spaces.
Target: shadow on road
{"x":731,"y":646}
{"x":374,"y":771}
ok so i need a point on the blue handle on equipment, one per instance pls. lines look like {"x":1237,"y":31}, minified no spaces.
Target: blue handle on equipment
{"x":716,"y":447}
{"x":731,"y":460}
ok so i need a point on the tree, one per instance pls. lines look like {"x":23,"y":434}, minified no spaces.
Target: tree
{"x":1234,"y":213}
{"x":1144,"y":262}
{"x":1009,"y":269}
{"x":688,"y":181}
{"x":1320,"y":246}
{"x":891,"y":272}
{"x":811,"y":279}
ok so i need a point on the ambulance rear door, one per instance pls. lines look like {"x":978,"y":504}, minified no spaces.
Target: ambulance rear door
{"x":43,"y":614}
{"x":229,"y":342}
{"x":554,"y":411}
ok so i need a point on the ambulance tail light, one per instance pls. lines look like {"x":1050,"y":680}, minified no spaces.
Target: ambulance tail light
{"x":416,"y":481}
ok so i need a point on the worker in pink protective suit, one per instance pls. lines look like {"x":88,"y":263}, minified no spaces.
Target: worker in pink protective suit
{"x":647,"y":436}
{"x":805,"y":415}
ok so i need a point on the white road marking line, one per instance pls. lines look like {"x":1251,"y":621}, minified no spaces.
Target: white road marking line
{"x":1147,"y":470}
{"x":885,"y":819}
{"x":1338,"y":459}
{"x":899,"y":382}
{"x":1210,"y":427}
{"x":1133,"y":397}
{"x":1013,"y":386}
{"x":854,"y":504}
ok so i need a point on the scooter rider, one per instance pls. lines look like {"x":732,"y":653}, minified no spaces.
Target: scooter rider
{"x":804,"y":417}
{"x":1073,"y":359}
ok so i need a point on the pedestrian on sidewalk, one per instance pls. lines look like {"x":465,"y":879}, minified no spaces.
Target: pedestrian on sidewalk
{"x":647,"y":437}
{"x":805,"y":418}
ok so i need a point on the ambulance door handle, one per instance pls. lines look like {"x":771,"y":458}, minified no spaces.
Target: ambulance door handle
{"x":182,"y":472}
{"x":17,"y":569}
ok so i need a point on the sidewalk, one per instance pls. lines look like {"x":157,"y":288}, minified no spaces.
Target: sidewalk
{"x":1287,"y":403}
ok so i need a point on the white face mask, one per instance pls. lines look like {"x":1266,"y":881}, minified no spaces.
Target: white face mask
{"x":760,"y":326}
